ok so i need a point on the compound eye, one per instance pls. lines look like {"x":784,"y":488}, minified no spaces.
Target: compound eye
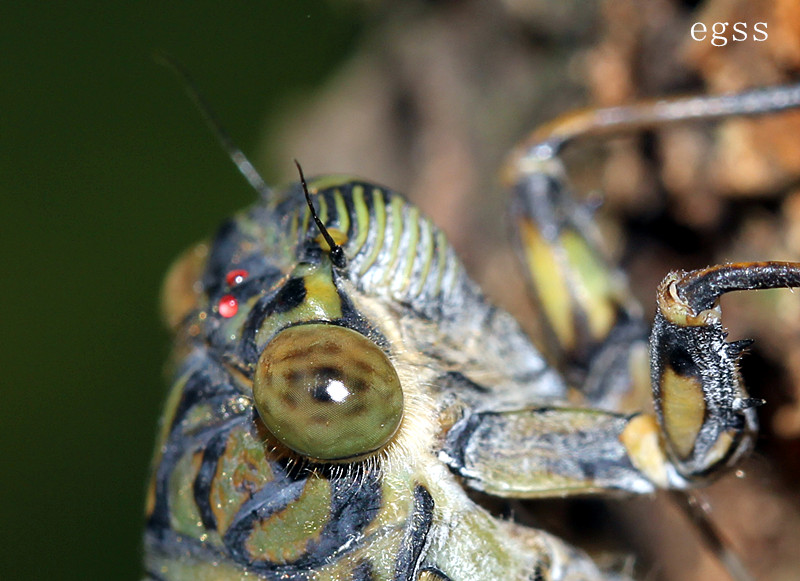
{"x":327,"y":392}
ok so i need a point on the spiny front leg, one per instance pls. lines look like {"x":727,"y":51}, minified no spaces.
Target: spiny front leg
{"x":707,"y":418}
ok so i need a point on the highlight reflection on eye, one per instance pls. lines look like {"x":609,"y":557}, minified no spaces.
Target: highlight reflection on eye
{"x":327,"y":392}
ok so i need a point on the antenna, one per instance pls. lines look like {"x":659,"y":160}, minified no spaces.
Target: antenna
{"x":237,"y":156}
{"x":337,"y":254}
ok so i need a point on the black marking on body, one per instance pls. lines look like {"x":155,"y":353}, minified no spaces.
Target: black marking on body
{"x":413,"y":542}
{"x":274,"y":497}
{"x":364,"y":572}
{"x":457,"y":439}
{"x":290,"y":295}
{"x":178,"y":445}
{"x":208,"y":383}
{"x":205,"y":477}
{"x":689,"y":351}
{"x":537,"y":574}
{"x":458,"y":381}
{"x":158,"y":522}
{"x":681,"y":361}
{"x":209,"y":380}
{"x":354,"y":320}
{"x":248,"y":351}
{"x":355,"y":501}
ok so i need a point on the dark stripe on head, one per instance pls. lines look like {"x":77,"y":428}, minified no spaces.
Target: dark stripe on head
{"x":353,"y":319}
{"x":248,"y":351}
{"x":291,"y":295}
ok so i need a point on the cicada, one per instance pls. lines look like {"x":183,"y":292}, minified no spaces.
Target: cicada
{"x":341,"y":385}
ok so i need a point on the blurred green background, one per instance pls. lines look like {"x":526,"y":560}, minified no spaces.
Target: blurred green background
{"x":106,"y":173}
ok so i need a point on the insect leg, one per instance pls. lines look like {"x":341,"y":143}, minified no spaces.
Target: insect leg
{"x":557,"y":452}
{"x":707,"y":418}
{"x":704,"y":418}
{"x":593,"y":324}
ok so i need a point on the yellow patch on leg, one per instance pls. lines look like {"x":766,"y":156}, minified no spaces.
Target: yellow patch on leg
{"x":641,"y":439}
{"x":550,"y":283}
{"x":684,"y":409}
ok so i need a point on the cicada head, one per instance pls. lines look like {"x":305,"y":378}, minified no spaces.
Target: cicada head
{"x":328,"y":383}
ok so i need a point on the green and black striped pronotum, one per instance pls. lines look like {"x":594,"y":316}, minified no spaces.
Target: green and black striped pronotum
{"x":340,"y":383}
